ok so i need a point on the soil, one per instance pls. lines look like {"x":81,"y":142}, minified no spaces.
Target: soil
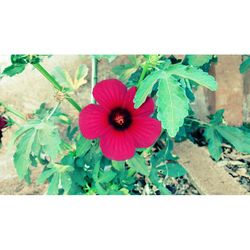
{"x":182,"y":186}
{"x":237,"y":165}
{"x":13,"y":186}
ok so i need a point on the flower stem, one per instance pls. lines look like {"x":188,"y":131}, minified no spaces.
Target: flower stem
{"x":94,"y":76}
{"x":13,"y":111}
{"x":56,"y":85}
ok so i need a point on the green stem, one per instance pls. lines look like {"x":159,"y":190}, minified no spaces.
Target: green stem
{"x":56,"y":85}
{"x":94,"y":76}
{"x":53,"y":111}
{"x":73,"y":103}
{"x":49,"y":77}
{"x":144,"y":72}
{"x":195,"y":120}
{"x":13,"y":111}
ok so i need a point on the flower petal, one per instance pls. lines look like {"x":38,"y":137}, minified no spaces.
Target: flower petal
{"x":118,"y":146}
{"x":93,"y":121}
{"x":146,"y":109}
{"x":3,"y":122}
{"x":110,"y":93}
{"x":145,"y":131}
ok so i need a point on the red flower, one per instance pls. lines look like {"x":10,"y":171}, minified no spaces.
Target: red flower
{"x":3,"y":124}
{"x":120,"y":127}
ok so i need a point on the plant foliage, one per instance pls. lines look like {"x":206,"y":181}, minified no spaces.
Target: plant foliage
{"x":71,"y":164}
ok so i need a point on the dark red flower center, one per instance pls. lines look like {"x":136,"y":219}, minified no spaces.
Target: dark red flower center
{"x":120,"y":118}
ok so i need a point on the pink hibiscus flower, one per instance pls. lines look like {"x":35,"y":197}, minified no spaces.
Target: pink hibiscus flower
{"x":120,"y":127}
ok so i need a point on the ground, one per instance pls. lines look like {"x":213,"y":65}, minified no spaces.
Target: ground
{"x":13,"y":186}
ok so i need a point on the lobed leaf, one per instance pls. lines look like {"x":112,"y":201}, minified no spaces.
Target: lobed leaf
{"x":63,"y":77}
{"x":80,"y":75}
{"x":22,"y":159}
{"x":194,"y":74}
{"x":49,"y":138}
{"x":172,"y":105}
{"x":238,"y":138}
{"x":198,"y":60}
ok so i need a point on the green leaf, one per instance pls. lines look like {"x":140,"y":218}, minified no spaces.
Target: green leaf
{"x":172,"y":105}
{"x":214,"y":142}
{"x":95,"y":176}
{"x":93,"y":155}
{"x":27,"y":177}
{"x":124,"y":71}
{"x":198,"y":60}
{"x":217,"y":118}
{"x":19,"y":133}
{"x":82,"y":146}
{"x":80,"y":75}
{"x":110,"y":58}
{"x":118,"y":165}
{"x":45,"y":175}
{"x":60,"y":168}
{"x":106,"y":176}
{"x":155,"y":179}
{"x":245,"y":66}
{"x":14,"y":69}
{"x":146,"y":87}
{"x":169,"y":155}
{"x":49,"y":138}
{"x":194,"y":74}
{"x":31,"y":138}
{"x":63,"y":77}
{"x":60,"y":174}
{"x":175,"y":170}
{"x":68,"y":159}
{"x":238,"y":138}
{"x":53,"y":186}
{"x":138,"y":164}
{"x":66,"y":182}
{"x":78,"y":176}
{"x":22,"y":159}
{"x":133,"y":59}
